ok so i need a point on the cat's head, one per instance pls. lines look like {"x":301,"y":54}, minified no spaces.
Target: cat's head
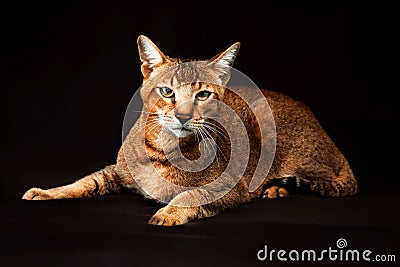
{"x":180,"y":94}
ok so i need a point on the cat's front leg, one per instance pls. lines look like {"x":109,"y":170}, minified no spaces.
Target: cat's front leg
{"x":174,"y":215}
{"x":99,"y":183}
{"x":185,"y":206}
{"x":182,"y":209}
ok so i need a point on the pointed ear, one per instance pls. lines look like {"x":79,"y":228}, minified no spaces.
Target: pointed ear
{"x":150,"y":56}
{"x":224,"y":61}
{"x":227,"y":57}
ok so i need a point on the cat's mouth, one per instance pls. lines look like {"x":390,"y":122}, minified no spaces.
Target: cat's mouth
{"x":181,"y":132}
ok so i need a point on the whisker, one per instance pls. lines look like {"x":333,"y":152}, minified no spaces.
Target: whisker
{"x":216,"y":133}
{"x":203,"y":137}
{"x":152,"y":120}
{"x":205,"y":130}
{"x":159,"y":134}
{"x":210,"y":117}
{"x":208,"y":142}
{"x":150,"y":130}
{"x":216,"y":126}
{"x":152,"y":127}
{"x":215,"y":130}
{"x":195,"y":135}
{"x":141,"y":111}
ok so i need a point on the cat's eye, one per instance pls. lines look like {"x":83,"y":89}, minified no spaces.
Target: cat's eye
{"x":166,"y":92}
{"x":203,"y":95}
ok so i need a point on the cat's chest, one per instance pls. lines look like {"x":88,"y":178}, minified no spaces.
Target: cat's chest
{"x":184,"y":178}
{"x":163,"y":183}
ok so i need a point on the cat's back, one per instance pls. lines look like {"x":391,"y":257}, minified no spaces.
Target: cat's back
{"x":293,"y":118}
{"x":286,"y":109}
{"x":288,"y":113}
{"x":297,"y":129}
{"x":300,"y":138}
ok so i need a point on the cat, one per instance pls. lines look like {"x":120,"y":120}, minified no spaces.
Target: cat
{"x":305,"y":160}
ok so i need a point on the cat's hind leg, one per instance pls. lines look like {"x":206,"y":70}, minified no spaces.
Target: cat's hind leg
{"x":280,"y":187}
{"x":275,"y":192}
{"x":342,"y":184}
{"x":99,"y":183}
{"x":325,"y":181}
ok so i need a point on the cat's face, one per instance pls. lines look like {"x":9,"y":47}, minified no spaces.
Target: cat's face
{"x":183,"y":97}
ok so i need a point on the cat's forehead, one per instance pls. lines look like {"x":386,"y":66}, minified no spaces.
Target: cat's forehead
{"x":186,"y":73}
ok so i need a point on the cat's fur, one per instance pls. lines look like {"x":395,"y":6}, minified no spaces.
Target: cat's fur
{"x":305,"y":157}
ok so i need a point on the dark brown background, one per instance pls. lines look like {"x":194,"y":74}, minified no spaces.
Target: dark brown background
{"x":68,"y":71}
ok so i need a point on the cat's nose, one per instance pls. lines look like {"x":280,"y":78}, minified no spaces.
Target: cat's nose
{"x":183,"y":118}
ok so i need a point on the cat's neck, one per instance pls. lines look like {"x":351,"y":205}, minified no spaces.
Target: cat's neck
{"x":157,"y":143}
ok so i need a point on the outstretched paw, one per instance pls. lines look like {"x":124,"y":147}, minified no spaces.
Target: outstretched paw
{"x":275,"y":192}
{"x":36,"y":194}
{"x":169,"y":216}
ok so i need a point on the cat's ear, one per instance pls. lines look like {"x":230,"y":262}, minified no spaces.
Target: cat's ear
{"x":150,"y":56}
{"x":227,"y":57}
{"x":224,"y":61}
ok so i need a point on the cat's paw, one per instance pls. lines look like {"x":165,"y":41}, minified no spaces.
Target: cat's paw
{"x":275,"y":192}
{"x":168,"y":216}
{"x":36,"y":194}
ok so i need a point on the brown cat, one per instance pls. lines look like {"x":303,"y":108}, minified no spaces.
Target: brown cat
{"x":184,"y":118}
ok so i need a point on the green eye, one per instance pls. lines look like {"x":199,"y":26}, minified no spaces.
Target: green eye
{"x":166,"y":92}
{"x":203,"y":95}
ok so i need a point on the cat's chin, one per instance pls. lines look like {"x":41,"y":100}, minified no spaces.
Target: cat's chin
{"x":181,"y":132}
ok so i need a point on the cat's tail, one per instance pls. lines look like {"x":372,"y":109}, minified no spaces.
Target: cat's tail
{"x":99,"y":183}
